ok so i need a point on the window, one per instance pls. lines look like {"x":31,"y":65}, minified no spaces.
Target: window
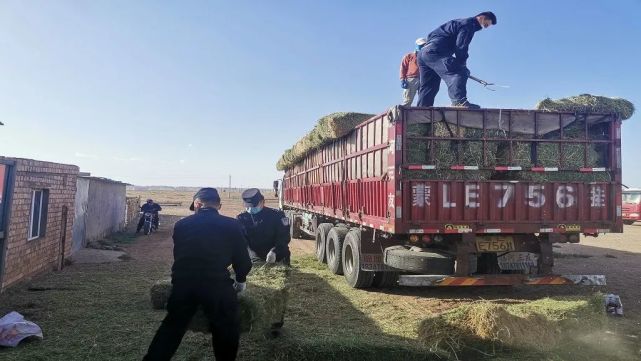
{"x":38,"y":217}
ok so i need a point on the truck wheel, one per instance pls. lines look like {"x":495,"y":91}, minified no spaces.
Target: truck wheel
{"x":351,"y":254}
{"x":629,"y":223}
{"x":385,"y":279}
{"x":295,"y":222}
{"x":334,"y":249}
{"x":321,"y":237}
{"x":419,"y":262}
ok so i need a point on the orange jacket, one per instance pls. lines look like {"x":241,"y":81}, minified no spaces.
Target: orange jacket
{"x":409,"y":66}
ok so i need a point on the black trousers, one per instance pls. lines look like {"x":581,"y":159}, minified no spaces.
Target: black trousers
{"x":220,"y":304}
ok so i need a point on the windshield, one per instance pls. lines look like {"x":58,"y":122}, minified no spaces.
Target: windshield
{"x":631,"y":198}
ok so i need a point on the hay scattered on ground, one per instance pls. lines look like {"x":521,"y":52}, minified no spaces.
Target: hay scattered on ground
{"x":587,"y":103}
{"x":539,"y":325}
{"x":328,"y":128}
{"x":261,"y":305}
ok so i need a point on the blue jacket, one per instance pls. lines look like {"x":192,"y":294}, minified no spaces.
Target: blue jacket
{"x":205,"y":244}
{"x":453,"y":37}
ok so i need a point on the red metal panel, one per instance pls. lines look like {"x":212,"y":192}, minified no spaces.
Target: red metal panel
{"x":359,"y":178}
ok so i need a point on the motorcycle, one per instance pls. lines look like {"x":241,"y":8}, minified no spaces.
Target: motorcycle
{"x":149,"y":226}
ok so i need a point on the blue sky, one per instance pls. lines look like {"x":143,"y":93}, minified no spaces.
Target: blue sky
{"x":186,"y":93}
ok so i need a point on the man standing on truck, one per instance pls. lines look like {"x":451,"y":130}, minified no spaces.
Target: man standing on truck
{"x":409,"y":73}
{"x":445,"y":57}
{"x":267,"y":229}
{"x":205,"y":244}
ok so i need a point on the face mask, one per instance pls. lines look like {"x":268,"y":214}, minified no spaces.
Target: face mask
{"x":253,"y":210}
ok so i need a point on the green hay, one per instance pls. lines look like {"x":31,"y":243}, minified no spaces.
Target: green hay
{"x":327,"y":129}
{"x":261,"y":305}
{"x":587,"y":103}
{"x":540,"y":325}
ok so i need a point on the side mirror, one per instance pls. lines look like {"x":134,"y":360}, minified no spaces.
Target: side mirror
{"x":276,"y":188}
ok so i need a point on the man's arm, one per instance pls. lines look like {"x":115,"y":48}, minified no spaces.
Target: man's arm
{"x":282,"y":236}
{"x":240,"y":256}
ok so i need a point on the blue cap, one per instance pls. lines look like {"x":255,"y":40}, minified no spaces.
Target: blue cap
{"x":251,"y":197}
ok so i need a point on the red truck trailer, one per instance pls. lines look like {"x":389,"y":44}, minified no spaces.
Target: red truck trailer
{"x":381,"y":217}
{"x":631,"y":205}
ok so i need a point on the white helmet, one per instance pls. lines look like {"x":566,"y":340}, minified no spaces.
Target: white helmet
{"x":421,"y":41}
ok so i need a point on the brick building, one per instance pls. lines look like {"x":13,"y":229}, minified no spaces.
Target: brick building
{"x":36,"y":217}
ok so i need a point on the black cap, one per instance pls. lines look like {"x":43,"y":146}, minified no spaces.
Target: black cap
{"x":251,"y":197}
{"x":490,"y":15}
{"x":206,"y":195}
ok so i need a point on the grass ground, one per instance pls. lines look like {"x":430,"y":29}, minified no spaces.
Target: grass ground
{"x":102,"y":312}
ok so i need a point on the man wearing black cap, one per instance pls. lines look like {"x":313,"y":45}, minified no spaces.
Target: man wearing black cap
{"x":445,"y":57}
{"x":267,"y":229}
{"x":205,"y":244}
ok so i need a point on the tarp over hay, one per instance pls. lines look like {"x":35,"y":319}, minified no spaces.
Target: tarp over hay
{"x":262,"y":304}
{"x":328,"y":128}
{"x":541,"y":324}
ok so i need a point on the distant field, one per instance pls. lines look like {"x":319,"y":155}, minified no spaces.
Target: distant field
{"x":177,"y":202}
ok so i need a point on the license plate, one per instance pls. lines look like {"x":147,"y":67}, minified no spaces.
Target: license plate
{"x":495,"y":244}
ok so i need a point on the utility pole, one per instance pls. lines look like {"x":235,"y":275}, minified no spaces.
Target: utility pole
{"x":229,"y":191}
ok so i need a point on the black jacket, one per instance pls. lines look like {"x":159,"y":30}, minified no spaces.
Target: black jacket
{"x":205,"y":244}
{"x":453,"y":37}
{"x":265,"y":230}
{"x":153,"y":208}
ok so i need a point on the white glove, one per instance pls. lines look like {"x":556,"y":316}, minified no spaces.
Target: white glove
{"x":271,"y":257}
{"x":240,"y":286}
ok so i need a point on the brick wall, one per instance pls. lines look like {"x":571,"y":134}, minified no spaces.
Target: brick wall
{"x":26,"y":258}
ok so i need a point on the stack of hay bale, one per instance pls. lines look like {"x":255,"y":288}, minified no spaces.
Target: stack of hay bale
{"x":464,"y":150}
{"x":262,"y":304}
{"x":328,"y":128}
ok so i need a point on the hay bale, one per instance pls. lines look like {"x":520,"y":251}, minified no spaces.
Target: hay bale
{"x":261,"y":305}
{"x":327,"y":129}
{"x":587,"y":103}
{"x":540,"y":324}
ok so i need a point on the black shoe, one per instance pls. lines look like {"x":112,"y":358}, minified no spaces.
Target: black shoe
{"x":465,"y":104}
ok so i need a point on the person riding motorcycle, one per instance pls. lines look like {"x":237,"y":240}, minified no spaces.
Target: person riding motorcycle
{"x":152,"y":208}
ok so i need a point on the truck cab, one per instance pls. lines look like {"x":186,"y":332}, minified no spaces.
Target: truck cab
{"x":631,"y":205}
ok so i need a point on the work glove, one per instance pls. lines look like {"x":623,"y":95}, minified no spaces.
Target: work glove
{"x":271,"y":257}
{"x":240,"y":286}
{"x":404,"y":83}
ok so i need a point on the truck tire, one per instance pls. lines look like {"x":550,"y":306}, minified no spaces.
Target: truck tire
{"x":334,"y":249}
{"x":385,"y":279}
{"x":321,"y":237}
{"x":295,"y":222}
{"x":351,"y":256}
{"x":434,"y":263}
{"x":629,"y":223}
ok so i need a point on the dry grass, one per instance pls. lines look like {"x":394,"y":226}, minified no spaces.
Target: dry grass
{"x":587,"y":103}
{"x":540,"y":325}
{"x":102,"y":312}
{"x":328,"y":128}
{"x":261,"y":305}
